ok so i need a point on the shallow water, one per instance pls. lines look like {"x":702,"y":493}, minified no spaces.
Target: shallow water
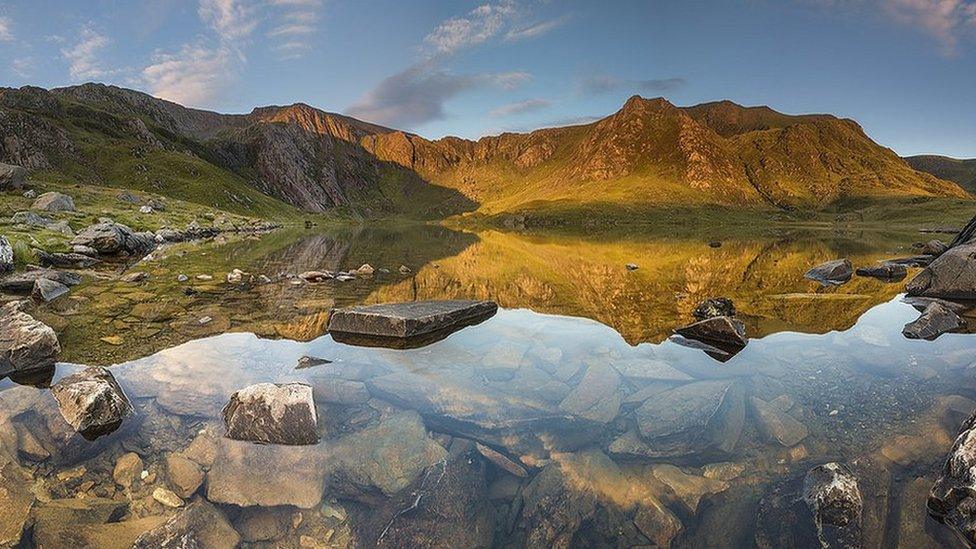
{"x":624,"y":435}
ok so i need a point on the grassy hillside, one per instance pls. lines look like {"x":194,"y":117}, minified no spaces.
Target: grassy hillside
{"x":962,"y":172}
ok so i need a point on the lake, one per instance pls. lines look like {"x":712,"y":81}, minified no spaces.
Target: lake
{"x":572,"y":417}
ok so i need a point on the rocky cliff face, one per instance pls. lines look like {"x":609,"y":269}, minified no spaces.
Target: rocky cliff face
{"x":649,"y":152}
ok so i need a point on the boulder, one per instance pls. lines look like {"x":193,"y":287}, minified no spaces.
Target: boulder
{"x":12,"y":177}
{"x":200,"y":524}
{"x":831,"y":273}
{"x":126,"y":196}
{"x":48,"y":290}
{"x":31,"y":219}
{"x":23,"y":282}
{"x":185,"y":476}
{"x":405,"y":320}
{"x":127,"y":469}
{"x":54,"y":202}
{"x":884,"y":271}
{"x":70,"y":260}
{"x":713,"y":307}
{"x":25,"y":343}
{"x":952,"y":275}
{"x":937,"y":319}
{"x":85,"y":250}
{"x":935,"y":247}
{"x":92,"y":402}
{"x":721,"y":331}
{"x":110,"y":238}
{"x":6,"y":255}
{"x":270,"y":413}
{"x":952,"y":500}
{"x":777,"y":425}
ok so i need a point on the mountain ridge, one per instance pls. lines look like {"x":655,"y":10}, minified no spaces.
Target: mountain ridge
{"x":650,"y":152}
{"x":959,"y":170}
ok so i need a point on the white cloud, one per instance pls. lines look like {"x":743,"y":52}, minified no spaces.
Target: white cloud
{"x":22,"y":66}
{"x":478,"y":26}
{"x":195,"y":76}
{"x":417,"y":94}
{"x":82,"y":57}
{"x":297,"y":23}
{"x":946,"y":20}
{"x":233,"y":20}
{"x":520,"y":107}
{"x":538,"y":29}
{"x":6,"y":26}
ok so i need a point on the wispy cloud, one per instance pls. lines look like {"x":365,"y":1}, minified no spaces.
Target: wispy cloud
{"x":6,"y":29}
{"x":537,"y":29}
{"x":945,"y":20}
{"x":297,"y":23}
{"x":22,"y":66}
{"x":417,"y":94}
{"x":194,"y":76}
{"x":83,"y":56}
{"x":520,"y":108}
{"x":477,"y":27}
{"x":599,"y":83}
{"x":233,"y":20}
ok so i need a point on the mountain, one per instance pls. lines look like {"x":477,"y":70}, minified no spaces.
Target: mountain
{"x":649,"y":153}
{"x":962,"y":172}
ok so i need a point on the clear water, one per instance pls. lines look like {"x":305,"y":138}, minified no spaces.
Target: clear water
{"x":561,"y":381}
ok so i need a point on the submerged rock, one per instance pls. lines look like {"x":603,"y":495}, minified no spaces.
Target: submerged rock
{"x":935,"y":321}
{"x":127,"y":469}
{"x":54,"y":202}
{"x":16,"y":501}
{"x":721,"y":331}
{"x":884,"y":271}
{"x":199,"y":525}
{"x":950,"y":276}
{"x":405,"y":320}
{"x":713,"y":307}
{"x":832,"y":493}
{"x":270,"y":413}
{"x":777,"y":425}
{"x":952,"y":499}
{"x":831,"y":273}
{"x":48,"y":290}
{"x":112,"y":238}
{"x":92,"y":402}
{"x":25,"y":343}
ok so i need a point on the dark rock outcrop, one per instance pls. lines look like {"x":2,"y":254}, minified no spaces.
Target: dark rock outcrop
{"x":885,"y":271}
{"x":23,"y":282}
{"x":721,"y":331}
{"x":952,"y":499}
{"x":935,"y":321}
{"x":270,"y":413}
{"x":831,"y":273}
{"x":112,"y":238}
{"x":12,"y":177}
{"x":25,"y":343}
{"x":92,"y":402}
{"x":935,"y":247}
{"x":951,"y":276}
{"x":68,"y":260}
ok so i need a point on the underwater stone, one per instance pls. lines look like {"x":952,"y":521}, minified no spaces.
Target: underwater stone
{"x":270,"y":413}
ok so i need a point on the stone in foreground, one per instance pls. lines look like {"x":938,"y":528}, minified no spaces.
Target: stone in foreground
{"x":832,"y":493}
{"x":412,"y":319}
{"x":952,"y":500}
{"x":270,"y":413}
{"x":25,"y":343}
{"x":23,"y":282}
{"x":935,"y":321}
{"x":48,"y":290}
{"x":831,"y":273}
{"x":951,"y":276}
{"x":884,"y":271}
{"x":92,"y":402}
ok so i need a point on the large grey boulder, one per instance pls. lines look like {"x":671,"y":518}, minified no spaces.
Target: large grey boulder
{"x":405,"y":320}
{"x":831,"y":273}
{"x":54,"y":202}
{"x":937,"y":319}
{"x":270,"y":413}
{"x":112,"y":238}
{"x":6,"y":255}
{"x":25,"y":343}
{"x":11,"y":177}
{"x":48,"y":290}
{"x":198,"y":525}
{"x":31,"y":219}
{"x":23,"y":282}
{"x":950,"y":276}
{"x":952,"y":499}
{"x":92,"y":402}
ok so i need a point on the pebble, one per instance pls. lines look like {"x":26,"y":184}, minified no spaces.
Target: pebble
{"x":205,"y":320}
{"x":204,"y":277}
{"x":833,"y":412}
{"x":167,"y":497}
{"x":182,"y":278}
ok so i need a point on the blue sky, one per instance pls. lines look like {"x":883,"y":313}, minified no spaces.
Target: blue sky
{"x":905,"y":69}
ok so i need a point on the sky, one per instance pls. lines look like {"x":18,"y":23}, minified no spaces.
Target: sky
{"x":904,"y":69}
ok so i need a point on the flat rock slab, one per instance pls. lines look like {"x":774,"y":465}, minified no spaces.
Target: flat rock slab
{"x":412,"y":319}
